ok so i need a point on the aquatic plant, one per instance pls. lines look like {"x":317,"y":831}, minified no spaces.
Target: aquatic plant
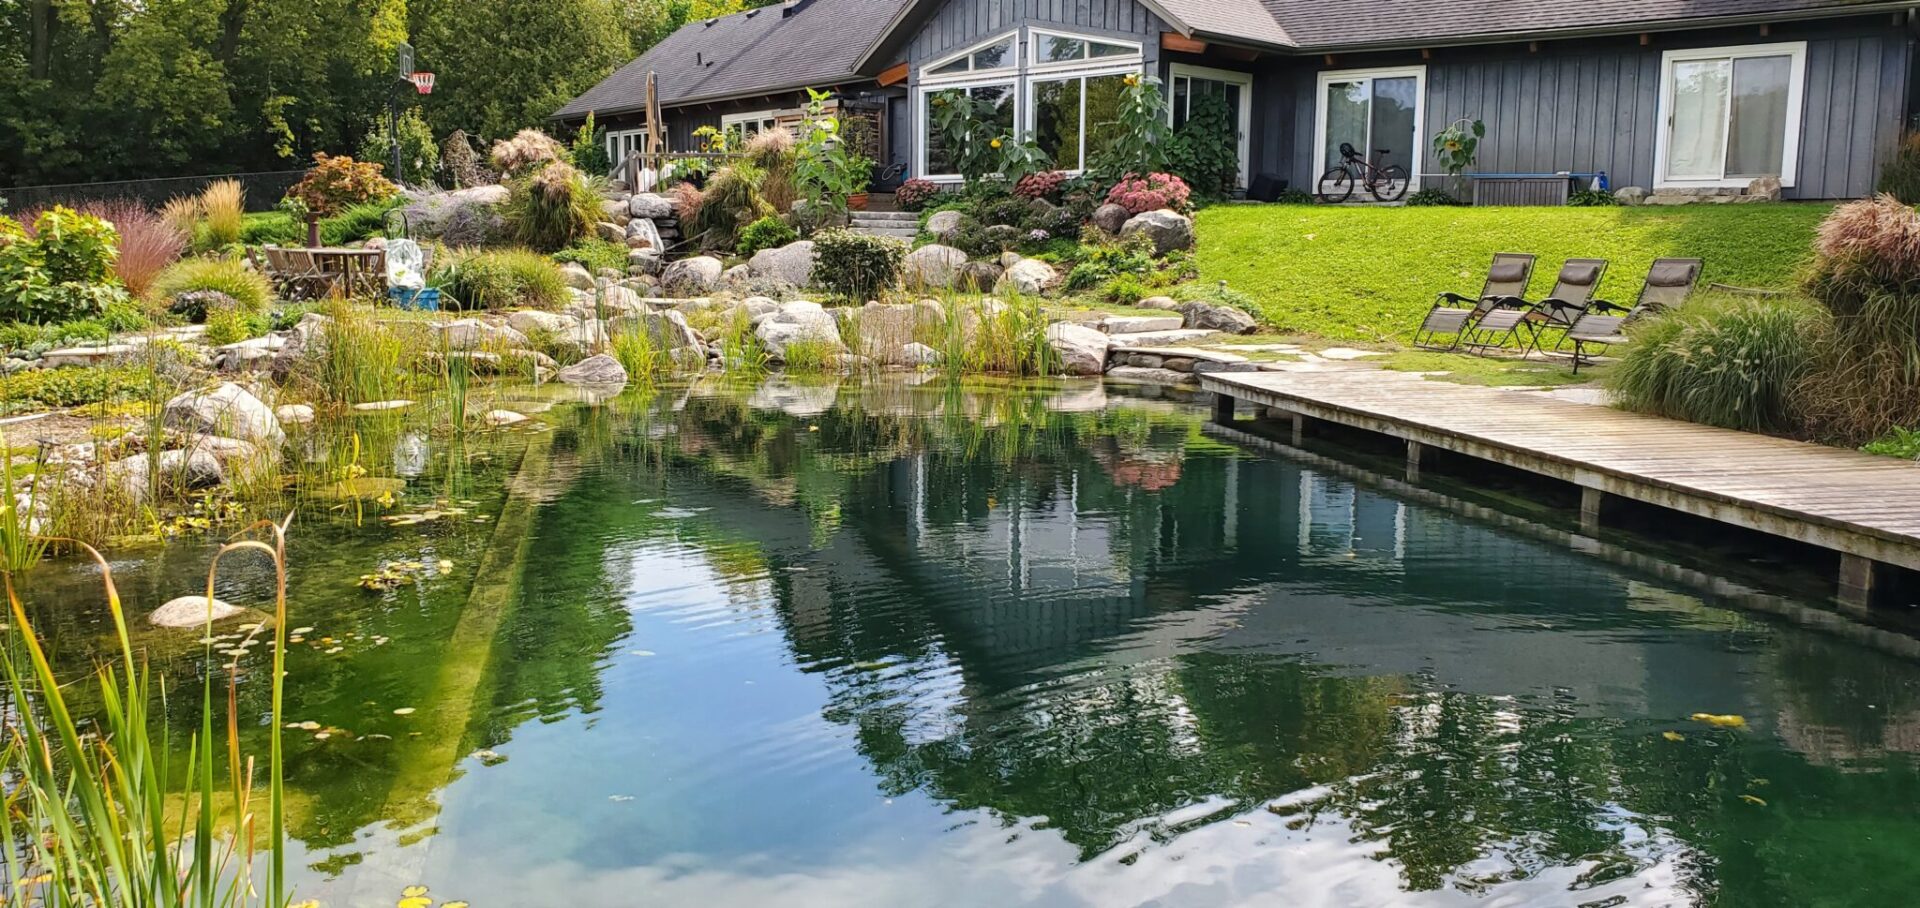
{"x":990,"y":336}
{"x":89,"y":817}
{"x":361,"y":359}
{"x":20,"y":548}
{"x":634,"y":346}
{"x":499,"y":279}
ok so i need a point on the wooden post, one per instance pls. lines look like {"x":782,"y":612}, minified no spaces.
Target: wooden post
{"x":1590,"y":500}
{"x":1413,"y":461}
{"x":1223,"y":408}
{"x":1856,"y":581}
{"x":1299,"y":429}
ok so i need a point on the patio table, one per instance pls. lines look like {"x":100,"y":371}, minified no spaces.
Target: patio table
{"x":351,"y":271}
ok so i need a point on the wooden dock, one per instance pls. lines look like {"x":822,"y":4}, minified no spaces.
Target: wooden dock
{"x":1866,"y":508}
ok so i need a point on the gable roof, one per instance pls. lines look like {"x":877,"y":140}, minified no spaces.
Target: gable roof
{"x":772,"y":49}
{"x":1319,"y":25}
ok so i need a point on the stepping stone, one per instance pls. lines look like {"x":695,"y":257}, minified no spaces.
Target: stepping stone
{"x":86,"y":356}
{"x":380,"y":405}
{"x":1195,"y":353}
{"x":1141,"y":324}
{"x":1343,"y":353}
{"x":1150,"y":376}
{"x":1165,"y":338}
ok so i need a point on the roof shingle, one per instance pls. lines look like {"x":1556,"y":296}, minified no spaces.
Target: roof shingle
{"x":1314,"y":24}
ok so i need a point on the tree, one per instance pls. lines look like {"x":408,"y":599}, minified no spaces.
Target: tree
{"x":508,"y":64}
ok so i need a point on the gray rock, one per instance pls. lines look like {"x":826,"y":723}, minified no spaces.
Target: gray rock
{"x":932,"y":267}
{"x":693,"y":276}
{"x":644,"y":262}
{"x":1630,"y":195}
{"x":1166,"y":303}
{"x":594,"y":370}
{"x":1763,"y":189}
{"x":530,"y":322}
{"x":918,"y":354}
{"x":499,"y":418}
{"x":616,"y":212}
{"x":611,"y":232}
{"x":1110,"y":217}
{"x":759,"y":307}
{"x":669,"y":329}
{"x":1009,"y":259}
{"x":473,"y":334}
{"x":1206,"y":366}
{"x":1169,"y":230}
{"x":791,"y":264}
{"x":1178,"y":363}
{"x":1082,"y":350}
{"x":1150,"y":376}
{"x":1143,"y":360}
{"x":1028,"y":277}
{"x":798,"y":321}
{"x":642,"y":234}
{"x":1135,"y":324}
{"x":1209,"y":317}
{"x":293,"y":414}
{"x":651,"y":206}
{"x":945,"y":225}
{"x":978,"y":277}
{"x":576,"y":276}
{"x":228,"y":410}
{"x":736,"y":277}
{"x":189,"y":612}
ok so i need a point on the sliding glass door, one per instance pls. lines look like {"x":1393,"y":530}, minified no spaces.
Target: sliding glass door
{"x":1373,"y":112}
{"x":1731,"y":114}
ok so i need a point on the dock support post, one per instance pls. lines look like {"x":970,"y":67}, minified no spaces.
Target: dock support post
{"x":1856,"y":581}
{"x":1413,"y":461}
{"x":1299,"y":429}
{"x":1590,"y":500}
{"x":1223,"y":408}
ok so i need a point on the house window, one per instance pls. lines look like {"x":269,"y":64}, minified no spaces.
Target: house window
{"x":936,"y":159}
{"x":1052,"y":48}
{"x":1188,"y":84}
{"x":1073,"y":116}
{"x":1729,"y":115}
{"x":748,"y":125}
{"x":1377,"y":111}
{"x":997,"y":53}
{"x":623,"y":142}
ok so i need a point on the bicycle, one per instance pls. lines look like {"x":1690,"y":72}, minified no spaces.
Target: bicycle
{"x":1386,"y":184}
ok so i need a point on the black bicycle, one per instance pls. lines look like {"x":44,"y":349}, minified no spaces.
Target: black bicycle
{"x":1387,"y":184}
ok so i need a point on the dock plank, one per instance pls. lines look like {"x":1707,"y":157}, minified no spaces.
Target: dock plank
{"x":1850,"y":502}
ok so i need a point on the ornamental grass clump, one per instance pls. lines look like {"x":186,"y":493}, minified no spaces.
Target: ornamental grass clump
{"x":552,"y":207}
{"x":1730,"y":361}
{"x":184,"y":287}
{"x":857,"y":266}
{"x":1866,"y":272}
{"x":500,"y":279}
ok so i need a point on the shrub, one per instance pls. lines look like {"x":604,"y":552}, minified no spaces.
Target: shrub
{"x":1432,"y":197}
{"x":595,"y":255}
{"x":1900,"y":177}
{"x":73,"y":387}
{"x":588,"y":153}
{"x":1898,"y":442}
{"x":223,"y":214}
{"x":527,"y":151}
{"x":1206,"y":148}
{"x":550,"y":209}
{"x":230,"y":324}
{"x":358,"y":222}
{"x":1591,"y":198}
{"x":1103,"y":262}
{"x":419,"y":155}
{"x":1866,"y":272}
{"x":276,"y":228}
{"x":767,"y":233}
{"x":1125,"y":290}
{"x":229,"y":277}
{"x":857,"y":266}
{"x":61,"y":272}
{"x":1732,"y":362}
{"x":338,"y":183}
{"x":1046,"y":185}
{"x":915,"y":194}
{"x":1152,"y":192}
{"x":500,"y":279}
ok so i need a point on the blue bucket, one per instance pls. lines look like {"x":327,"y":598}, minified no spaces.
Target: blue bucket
{"x":426,"y":298}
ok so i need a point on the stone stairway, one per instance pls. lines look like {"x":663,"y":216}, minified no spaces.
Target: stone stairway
{"x":903,"y":225}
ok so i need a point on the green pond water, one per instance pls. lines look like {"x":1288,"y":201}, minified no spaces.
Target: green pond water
{"x":896,"y":645}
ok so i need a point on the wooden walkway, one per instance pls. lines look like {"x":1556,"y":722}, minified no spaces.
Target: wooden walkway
{"x":1864,"y":507}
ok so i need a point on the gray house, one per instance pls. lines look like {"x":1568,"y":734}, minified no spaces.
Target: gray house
{"x":1677,"y":95}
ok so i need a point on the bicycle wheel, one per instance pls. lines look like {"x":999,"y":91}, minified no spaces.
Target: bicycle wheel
{"x":1336,"y":185}
{"x":1391,"y":186}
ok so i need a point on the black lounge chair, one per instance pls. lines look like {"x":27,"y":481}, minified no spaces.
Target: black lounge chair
{"x":1599,"y":325}
{"x":1515,"y":318}
{"x":1507,"y":278}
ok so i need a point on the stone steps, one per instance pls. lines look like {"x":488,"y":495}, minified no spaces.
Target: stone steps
{"x":901,"y":225}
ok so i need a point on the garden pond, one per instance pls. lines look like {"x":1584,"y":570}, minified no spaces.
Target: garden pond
{"x":897,"y":643}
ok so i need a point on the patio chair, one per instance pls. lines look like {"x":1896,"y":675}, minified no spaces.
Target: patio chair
{"x":1507,"y":277}
{"x":289,"y":279}
{"x":1514,"y":318}
{"x":1599,"y":325}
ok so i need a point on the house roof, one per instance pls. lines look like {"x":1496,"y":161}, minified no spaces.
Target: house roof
{"x":1240,"y":19}
{"x":1319,"y":25}
{"x":776,"y":48}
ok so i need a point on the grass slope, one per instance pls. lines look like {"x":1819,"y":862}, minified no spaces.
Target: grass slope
{"x":1369,"y":274}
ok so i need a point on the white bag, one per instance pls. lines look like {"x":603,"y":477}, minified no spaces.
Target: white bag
{"x":405,"y":262}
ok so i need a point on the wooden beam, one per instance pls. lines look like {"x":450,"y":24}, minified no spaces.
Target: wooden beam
{"x":1182,"y":43}
{"x":1765,"y":29}
{"x":894,"y":75}
{"x":1533,"y":47}
{"x":1328,"y":59}
{"x":1426,"y":53}
{"x":1645,"y":39}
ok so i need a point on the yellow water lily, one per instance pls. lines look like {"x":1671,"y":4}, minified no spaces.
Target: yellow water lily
{"x":1673,"y":736}
{"x":414,"y":897}
{"x":1718,"y":721}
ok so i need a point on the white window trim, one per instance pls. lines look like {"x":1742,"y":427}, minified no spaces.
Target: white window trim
{"x":1035,"y":65}
{"x":1796,"y":92}
{"x":927,"y":76}
{"x":1327,"y":78}
{"x":1079,"y":72}
{"x":759,"y":118}
{"x":1245,"y":81}
{"x":614,"y":136}
{"x":1008,"y":78}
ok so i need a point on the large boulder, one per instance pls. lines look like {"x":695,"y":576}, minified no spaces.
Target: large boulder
{"x":530,"y":322}
{"x":885,"y":331}
{"x":1210,"y":317}
{"x":1111,"y":217}
{"x":1170,"y":231}
{"x":645,"y":262}
{"x":577,"y":276}
{"x":611,"y":232}
{"x":1028,"y":277}
{"x":693,"y":276}
{"x":791,"y":264}
{"x":932,"y":267}
{"x":650,"y":206}
{"x":473,"y":334}
{"x":668,"y":329}
{"x":798,"y":321}
{"x":642,"y":234}
{"x":192,"y":611}
{"x":978,"y":277}
{"x":228,"y":410}
{"x":1082,"y":350}
{"x":945,"y":225}
{"x":594,"y":370}
{"x":615,"y":211}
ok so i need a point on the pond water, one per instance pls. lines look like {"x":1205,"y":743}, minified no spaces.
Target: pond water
{"x":1042,"y":645}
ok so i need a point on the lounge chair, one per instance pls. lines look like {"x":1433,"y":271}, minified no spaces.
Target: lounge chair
{"x":1515,"y":318}
{"x":1451,"y":313}
{"x":1668,"y":283}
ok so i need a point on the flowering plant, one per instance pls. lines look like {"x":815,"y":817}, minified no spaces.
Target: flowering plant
{"x":1043,"y":185}
{"x":1138,"y":194}
{"x":914,"y":194}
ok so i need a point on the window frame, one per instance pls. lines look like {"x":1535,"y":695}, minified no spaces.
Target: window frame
{"x":1326,"y":78}
{"x":1795,"y":51}
{"x":1035,"y":65}
{"x":639,"y":143}
{"x":762,"y":120}
{"x":928,"y":76}
{"x":1244,"y":80}
{"x":1028,"y":125}
{"x":1008,"y":78}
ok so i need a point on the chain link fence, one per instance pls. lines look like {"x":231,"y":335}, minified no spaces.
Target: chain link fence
{"x":264,"y":190}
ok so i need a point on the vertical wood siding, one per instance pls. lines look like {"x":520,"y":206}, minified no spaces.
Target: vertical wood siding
{"x":1599,"y":110}
{"x":960,"y":23}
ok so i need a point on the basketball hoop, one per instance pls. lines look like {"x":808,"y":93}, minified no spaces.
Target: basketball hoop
{"x":423,"y":82}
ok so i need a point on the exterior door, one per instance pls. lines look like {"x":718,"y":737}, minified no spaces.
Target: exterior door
{"x":1191,"y":84}
{"x":1374,"y":114}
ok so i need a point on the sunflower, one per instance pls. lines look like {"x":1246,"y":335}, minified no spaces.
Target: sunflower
{"x":996,"y":143}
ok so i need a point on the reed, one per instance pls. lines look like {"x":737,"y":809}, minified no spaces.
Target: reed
{"x":20,"y":548}
{"x":989,"y":336}
{"x":89,"y":818}
{"x":634,"y":346}
{"x":361,"y":360}
{"x":223,"y":213}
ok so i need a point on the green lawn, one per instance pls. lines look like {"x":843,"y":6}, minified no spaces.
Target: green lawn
{"x":1368,"y":274}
